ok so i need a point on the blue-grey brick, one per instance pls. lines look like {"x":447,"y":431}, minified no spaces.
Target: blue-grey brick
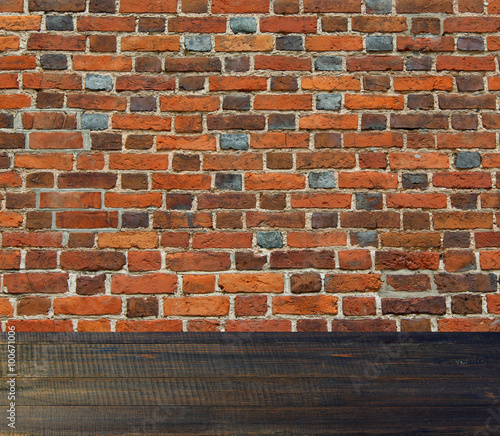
{"x":59,"y":22}
{"x":290,"y":43}
{"x":228,"y":181}
{"x":328,"y":63}
{"x":470,"y":43}
{"x":198,"y":43}
{"x":378,"y":6}
{"x":243,"y":25}
{"x":322,"y":180}
{"x":54,"y":61}
{"x":269,"y":239}
{"x":235,"y":141}
{"x":329,"y":102}
{"x":281,"y":122}
{"x":364,"y":239}
{"x":379,"y":43}
{"x":467,"y":159}
{"x":415,"y":181}
{"x":422,"y":63}
{"x":368,"y":201}
{"x":98,"y":82}
{"x":94,"y":122}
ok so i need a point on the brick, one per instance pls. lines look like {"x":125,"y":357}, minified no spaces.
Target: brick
{"x":148,"y":7}
{"x":239,"y":7}
{"x":141,"y":307}
{"x":364,"y":325}
{"x":328,"y":83}
{"x":105,"y":305}
{"x":396,"y":260}
{"x":169,"y":220}
{"x":106,"y":24}
{"x":333,"y":43}
{"x":352,"y":282}
{"x":32,"y":306}
{"x":210,"y":261}
{"x":345,"y":6}
{"x":102,"y":63}
{"x":430,"y":305}
{"x":257,"y":325}
{"x":287,"y":25}
{"x":153,"y":283}
{"x":244,"y":25}
{"x":144,"y":260}
{"x":302,"y":259}
{"x":156,"y":325}
{"x":45,"y":283}
{"x":92,"y":261}
{"x":41,"y":325}
{"x":305,"y":305}
{"x":358,"y":306}
{"x":251,"y":283}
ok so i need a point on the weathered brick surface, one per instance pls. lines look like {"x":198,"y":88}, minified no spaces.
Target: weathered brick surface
{"x":266,"y":165}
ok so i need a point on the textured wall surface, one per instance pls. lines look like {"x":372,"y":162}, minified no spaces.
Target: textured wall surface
{"x":286,"y":165}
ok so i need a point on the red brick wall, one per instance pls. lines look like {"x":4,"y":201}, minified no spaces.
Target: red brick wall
{"x":286,"y":165}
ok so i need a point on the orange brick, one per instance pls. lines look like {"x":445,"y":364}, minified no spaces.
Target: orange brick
{"x":196,"y":306}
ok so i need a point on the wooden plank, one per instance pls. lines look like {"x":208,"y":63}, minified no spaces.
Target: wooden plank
{"x":254,"y":383}
{"x":277,"y":420}
{"x":258,"y":391}
{"x":224,"y":360}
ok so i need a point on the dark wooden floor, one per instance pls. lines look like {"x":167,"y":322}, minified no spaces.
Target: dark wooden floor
{"x":254,"y":384}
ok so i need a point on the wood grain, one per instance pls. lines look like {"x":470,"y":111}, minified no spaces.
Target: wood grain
{"x":254,"y":383}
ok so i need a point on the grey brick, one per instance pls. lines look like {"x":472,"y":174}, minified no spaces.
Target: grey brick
{"x":236,"y":102}
{"x":290,"y":43}
{"x":421,"y":63}
{"x":198,"y":43}
{"x":235,"y":141}
{"x":415,"y":181}
{"x":378,"y":43}
{"x":243,"y":25}
{"x":269,"y":239}
{"x":328,"y":63}
{"x":467,"y":159}
{"x":59,"y":22}
{"x":138,"y":104}
{"x":329,"y":102}
{"x":132,"y":220}
{"x":368,"y":201}
{"x":98,"y":82}
{"x":94,"y":122}
{"x":54,"y":61}
{"x":228,"y":181}
{"x":378,"y":6}
{"x":470,"y":43}
{"x":322,"y":180}
{"x":364,"y":239}
{"x":281,"y":122}
{"x":323,"y":220}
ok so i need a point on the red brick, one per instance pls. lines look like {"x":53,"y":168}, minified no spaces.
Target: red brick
{"x":254,"y":282}
{"x":105,"y":305}
{"x":154,"y":283}
{"x":156,"y":325}
{"x":198,"y":284}
{"x":196,"y":306}
{"x":148,"y":6}
{"x":41,"y":325}
{"x":239,"y":6}
{"x":45,"y":283}
{"x":305,"y":305}
{"x":259,"y":325}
